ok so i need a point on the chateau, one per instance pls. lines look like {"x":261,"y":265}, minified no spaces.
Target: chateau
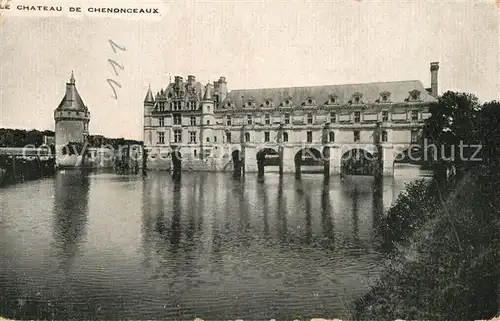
{"x":212,"y":127}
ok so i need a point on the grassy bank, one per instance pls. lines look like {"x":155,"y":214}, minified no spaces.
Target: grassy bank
{"x":445,"y":253}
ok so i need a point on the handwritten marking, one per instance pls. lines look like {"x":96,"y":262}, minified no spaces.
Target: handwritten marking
{"x":114,"y":45}
{"x":113,"y":81}
{"x":113,"y":64}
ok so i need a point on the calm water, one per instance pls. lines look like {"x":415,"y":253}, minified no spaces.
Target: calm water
{"x":109,"y":246}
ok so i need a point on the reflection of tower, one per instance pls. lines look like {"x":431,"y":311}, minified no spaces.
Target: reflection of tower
{"x":71,"y":121}
{"x":175,"y":226}
{"x":377,"y":204}
{"x":70,"y":211}
{"x":355,"y":213}
{"x":326,"y":216}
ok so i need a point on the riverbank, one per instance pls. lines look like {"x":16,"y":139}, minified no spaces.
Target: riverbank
{"x":444,"y":262}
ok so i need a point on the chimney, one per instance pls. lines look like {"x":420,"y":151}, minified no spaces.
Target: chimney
{"x":222,"y":88}
{"x":191,"y":80}
{"x":434,"y":79}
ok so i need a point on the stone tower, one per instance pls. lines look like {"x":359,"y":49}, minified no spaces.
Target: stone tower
{"x":71,"y":124}
{"x":149,"y":103}
{"x":207,"y":122}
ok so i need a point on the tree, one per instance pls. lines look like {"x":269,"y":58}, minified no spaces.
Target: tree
{"x":452,"y":123}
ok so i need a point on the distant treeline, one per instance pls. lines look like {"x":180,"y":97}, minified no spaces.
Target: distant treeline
{"x":20,"y":138}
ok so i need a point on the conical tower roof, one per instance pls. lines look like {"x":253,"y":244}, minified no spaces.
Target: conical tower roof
{"x":149,"y":96}
{"x":72,"y":99}
{"x":208,"y":92}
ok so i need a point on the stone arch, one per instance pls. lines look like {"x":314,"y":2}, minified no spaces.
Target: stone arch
{"x":308,"y":157}
{"x":237,"y":158}
{"x":176,"y":155}
{"x":267,"y":157}
{"x":358,"y":161}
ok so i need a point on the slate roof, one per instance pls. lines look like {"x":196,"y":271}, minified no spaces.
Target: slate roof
{"x":72,"y":99}
{"x":398,"y":92}
{"x":149,"y":96}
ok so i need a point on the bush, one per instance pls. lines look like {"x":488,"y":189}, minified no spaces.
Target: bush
{"x":450,"y":268}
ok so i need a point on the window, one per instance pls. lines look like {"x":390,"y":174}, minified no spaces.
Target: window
{"x":356,"y":136}
{"x":161,"y":122}
{"x":287,"y":118}
{"x":208,"y":108}
{"x":414,"y":136}
{"x":215,"y":139}
{"x":208,"y":139}
{"x":285,"y":137}
{"x":228,"y":137}
{"x":331,"y":137}
{"x":192,"y":137}
{"x":208,"y":121}
{"x":177,"y":120}
{"x":384,"y":98}
{"x":356,"y":100}
{"x":357,"y":116}
{"x":161,"y":138}
{"x":177,"y":136}
{"x":384,"y":136}
{"x":267,"y":120}
{"x":228,"y":120}
{"x":192,"y":105}
{"x":333,"y":117}
{"x":309,"y":118}
{"x":194,"y":153}
{"x":385,"y":116}
{"x":249,"y":119}
{"x":266,"y":136}
{"x":247,"y":137}
{"x":193,"y":121}
{"x":414,"y":115}
{"x":176,"y":105}
{"x":161,"y":106}
{"x":309,"y":137}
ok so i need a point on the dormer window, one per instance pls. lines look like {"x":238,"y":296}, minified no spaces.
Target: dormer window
{"x":356,"y":98}
{"x":414,"y":95}
{"x":287,"y":102}
{"x":332,"y":99}
{"x":268,"y":103}
{"x":249,"y":104}
{"x":384,"y":96}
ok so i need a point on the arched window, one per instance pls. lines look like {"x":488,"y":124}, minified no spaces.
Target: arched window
{"x":285,"y":137}
{"x":331,"y":137}
{"x":384,"y":136}
{"x":247,"y":137}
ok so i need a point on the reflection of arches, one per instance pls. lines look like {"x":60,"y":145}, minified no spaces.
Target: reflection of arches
{"x":357,"y":162}
{"x":267,"y":157}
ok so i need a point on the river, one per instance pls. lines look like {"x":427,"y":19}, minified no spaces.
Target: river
{"x":108,"y":246}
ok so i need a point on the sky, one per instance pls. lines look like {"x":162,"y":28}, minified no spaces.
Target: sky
{"x":254,"y":44}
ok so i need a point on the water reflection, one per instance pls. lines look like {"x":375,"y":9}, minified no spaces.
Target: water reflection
{"x":205,"y":245}
{"x":326,"y":216}
{"x":70,"y":210}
